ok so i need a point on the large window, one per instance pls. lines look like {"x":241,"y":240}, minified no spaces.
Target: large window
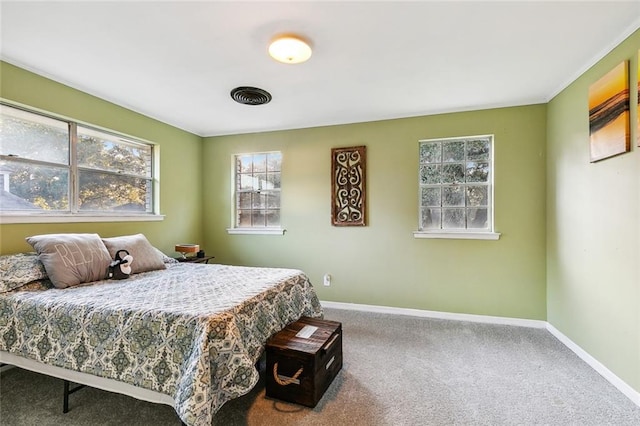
{"x":257,"y":178}
{"x":455,"y":186}
{"x":50,"y":166}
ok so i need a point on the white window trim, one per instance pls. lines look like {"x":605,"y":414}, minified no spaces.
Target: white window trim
{"x":256,"y":231}
{"x":458,"y":235}
{"x":465,"y":234}
{"x":79,"y":217}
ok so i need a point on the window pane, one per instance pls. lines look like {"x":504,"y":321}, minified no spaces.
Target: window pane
{"x":109,"y":192}
{"x":453,"y":196}
{"x":273,"y":180}
{"x":478,"y":150}
{"x":244,"y":200}
{"x":260,"y":181}
{"x":430,"y":152}
{"x":247,"y":182}
{"x":274,"y":162}
{"x":244,"y":218}
{"x":430,"y":218}
{"x":33,"y":187}
{"x":260,"y":163}
{"x":453,"y":219}
{"x":452,"y":173}
{"x":257,"y":200}
{"x":258,"y":218}
{"x":273,"y":217}
{"x":33,"y":136}
{"x":273,"y":200}
{"x":430,"y":197}
{"x":477,"y":172}
{"x":477,"y":218}
{"x":477,"y":195}
{"x":452,"y":151}
{"x":245,"y":163}
{"x":99,"y":150}
{"x":429,"y":174}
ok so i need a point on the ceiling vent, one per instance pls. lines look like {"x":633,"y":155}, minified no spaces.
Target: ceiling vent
{"x":250,"y":96}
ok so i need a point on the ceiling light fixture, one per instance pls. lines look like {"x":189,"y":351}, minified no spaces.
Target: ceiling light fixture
{"x":289,"y":49}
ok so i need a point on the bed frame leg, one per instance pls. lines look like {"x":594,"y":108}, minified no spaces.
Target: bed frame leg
{"x":65,"y":396}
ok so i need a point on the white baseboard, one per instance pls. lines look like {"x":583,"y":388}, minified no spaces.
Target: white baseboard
{"x":616,"y":381}
{"x":623,"y":387}
{"x":436,"y":314}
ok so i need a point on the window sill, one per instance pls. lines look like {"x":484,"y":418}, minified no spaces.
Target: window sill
{"x":256,"y":231}
{"x":78,"y":218}
{"x":458,"y":235}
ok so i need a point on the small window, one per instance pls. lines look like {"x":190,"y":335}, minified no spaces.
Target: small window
{"x":257,"y":186}
{"x":50,"y":166}
{"x":455,"y":185}
{"x":114,"y":173}
{"x":34,"y":162}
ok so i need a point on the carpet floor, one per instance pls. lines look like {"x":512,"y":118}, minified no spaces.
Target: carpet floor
{"x":398,"y":370}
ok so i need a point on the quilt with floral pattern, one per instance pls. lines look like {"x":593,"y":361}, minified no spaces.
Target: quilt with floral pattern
{"x":193,"y":331}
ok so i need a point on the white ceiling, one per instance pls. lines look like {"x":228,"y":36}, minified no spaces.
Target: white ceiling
{"x":178,"y":61}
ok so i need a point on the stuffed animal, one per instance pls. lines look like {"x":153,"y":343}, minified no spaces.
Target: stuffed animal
{"x":120,"y":267}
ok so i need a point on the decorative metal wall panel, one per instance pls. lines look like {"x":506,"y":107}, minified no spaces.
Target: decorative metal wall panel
{"x":348,"y":191}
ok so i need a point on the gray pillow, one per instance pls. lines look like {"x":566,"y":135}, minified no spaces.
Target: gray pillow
{"x":19,"y":269}
{"x":72,"y":259}
{"x":145,"y":256}
{"x":165,"y":259}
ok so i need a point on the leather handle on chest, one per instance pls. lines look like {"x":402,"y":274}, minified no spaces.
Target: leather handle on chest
{"x":327,"y":345}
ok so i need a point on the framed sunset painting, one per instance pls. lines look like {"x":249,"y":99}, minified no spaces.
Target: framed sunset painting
{"x":609,"y":114}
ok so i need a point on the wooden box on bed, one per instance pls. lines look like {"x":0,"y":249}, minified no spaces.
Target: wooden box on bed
{"x":303,"y":359}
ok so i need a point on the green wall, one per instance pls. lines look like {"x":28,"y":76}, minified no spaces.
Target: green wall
{"x":382,"y":263}
{"x":593,"y":229}
{"x":180,"y":165}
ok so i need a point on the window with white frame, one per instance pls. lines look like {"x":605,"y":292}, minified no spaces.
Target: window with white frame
{"x":455,"y":181}
{"x":257,"y":186}
{"x":54,"y":166}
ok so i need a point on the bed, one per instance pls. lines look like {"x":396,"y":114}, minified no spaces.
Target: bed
{"x":188,"y":335}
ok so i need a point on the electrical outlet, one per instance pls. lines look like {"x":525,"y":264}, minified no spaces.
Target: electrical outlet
{"x":327,"y":280}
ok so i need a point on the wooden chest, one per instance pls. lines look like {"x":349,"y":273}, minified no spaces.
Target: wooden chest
{"x":303,"y":359}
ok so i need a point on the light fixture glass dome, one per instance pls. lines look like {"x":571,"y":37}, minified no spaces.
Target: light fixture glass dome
{"x":290,"y":50}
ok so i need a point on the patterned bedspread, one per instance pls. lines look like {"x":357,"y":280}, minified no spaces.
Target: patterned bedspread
{"x":192,"y":331}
